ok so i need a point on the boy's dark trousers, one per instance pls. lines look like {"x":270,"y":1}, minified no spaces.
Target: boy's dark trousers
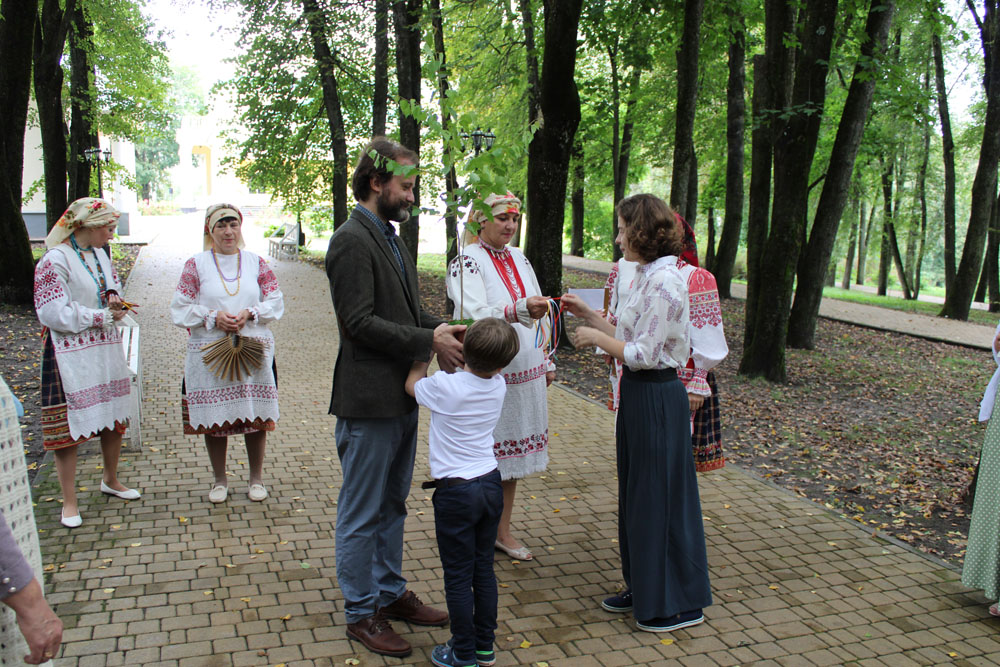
{"x":466,"y":515}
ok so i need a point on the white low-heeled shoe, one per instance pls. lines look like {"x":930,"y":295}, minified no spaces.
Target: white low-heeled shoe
{"x":127,"y":494}
{"x":218,"y":493}
{"x":257,"y":492}
{"x":70,"y":521}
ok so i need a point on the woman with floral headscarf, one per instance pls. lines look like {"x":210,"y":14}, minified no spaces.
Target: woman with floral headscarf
{"x":85,"y":379}
{"x":226,"y":290}
{"x":491,"y":279}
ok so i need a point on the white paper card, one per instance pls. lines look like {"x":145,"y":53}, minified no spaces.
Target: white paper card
{"x":592,"y":297}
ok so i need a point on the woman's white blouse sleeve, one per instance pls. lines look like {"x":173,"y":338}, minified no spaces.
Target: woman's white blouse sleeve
{"x":272,"y":303}
{"x":654,"y":321}
{"x":708,"y":340}
{"x":54,"y":304}
{"x":465,"y":279}
{"x":185,"y":311}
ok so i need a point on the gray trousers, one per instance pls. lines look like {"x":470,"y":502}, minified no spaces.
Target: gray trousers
{"x":376,"y":457}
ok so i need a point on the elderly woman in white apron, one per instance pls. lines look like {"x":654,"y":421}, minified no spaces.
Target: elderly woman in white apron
{"x":226,"y":290}
{"x":85,"y":380}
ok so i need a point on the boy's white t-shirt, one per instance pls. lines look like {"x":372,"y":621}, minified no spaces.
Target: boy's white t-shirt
{"x":464,"y":409}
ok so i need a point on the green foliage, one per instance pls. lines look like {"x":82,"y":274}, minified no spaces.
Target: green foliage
{"x":281,"y":142}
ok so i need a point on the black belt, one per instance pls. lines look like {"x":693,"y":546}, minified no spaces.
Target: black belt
{"x":446,"y":482}
{"x":651,"y":374}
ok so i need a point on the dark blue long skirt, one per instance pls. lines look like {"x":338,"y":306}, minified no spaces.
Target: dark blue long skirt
{"x":660,"y":529}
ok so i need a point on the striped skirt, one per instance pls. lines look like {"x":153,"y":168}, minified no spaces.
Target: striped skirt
{"x":706,"y":435}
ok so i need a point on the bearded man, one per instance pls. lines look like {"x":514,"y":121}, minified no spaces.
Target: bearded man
{"x":383,"y":329}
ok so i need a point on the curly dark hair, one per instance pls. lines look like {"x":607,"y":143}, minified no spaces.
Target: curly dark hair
{"x":369,"y":166}
{"x":651,"y":227}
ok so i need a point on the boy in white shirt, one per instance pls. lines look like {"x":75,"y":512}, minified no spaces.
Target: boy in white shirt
{"x":468,"y":498}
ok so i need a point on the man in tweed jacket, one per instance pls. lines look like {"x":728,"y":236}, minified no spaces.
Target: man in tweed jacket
{"x":383,"y":330}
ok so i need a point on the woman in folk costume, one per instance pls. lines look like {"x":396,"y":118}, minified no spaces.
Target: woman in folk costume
{"x":981,"y":568}
{"x":226,"y":290}
{"x":85,"y":379}
{"x":708,"y":348}
{"x":491,"y":279}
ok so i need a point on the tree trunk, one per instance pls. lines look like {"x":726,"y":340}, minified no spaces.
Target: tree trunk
{"x":833,"y":198}
{"x":531,"y":62}
{"x":710,"y":245}
{"x":576,"y":199}
{"x":852,"y":239}
{"x":794,"y":149}
{"x":948,"y":150}
{"x":883,"y":256}
{"x":81,"y":133}
{"x":687,"y":95}
{"x":624,"y":155}
{"x":921,"y":195}
{"x":771,"y":93}
{"x":380,"y":94}
{"x":50,"y":39}
{"x":406,"y":17}
{"x":550,"y":148}
{"x":327,"y":65}
{"x":993,"y":248}
{"x":989,"y":260}
{"x":691,"y":200}
{"x":867,"y":229}
{"x":451,"y":179}
{"x":958,"y":301}
{"x":16,"y":265}
{"x":729,"y":240}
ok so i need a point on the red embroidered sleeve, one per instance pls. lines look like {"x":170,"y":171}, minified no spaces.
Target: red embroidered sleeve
{"x":48,"y":286}
{"x":266,"y":279}
{"x":189,"y":284}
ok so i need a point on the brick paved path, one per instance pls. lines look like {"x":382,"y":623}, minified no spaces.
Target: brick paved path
{"x":173,"y":580}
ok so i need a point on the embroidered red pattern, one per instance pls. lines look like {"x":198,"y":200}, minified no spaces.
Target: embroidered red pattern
{"x":503,"y":262}
{"x":48,"y":287}
{"x":526,"y":375}
{"x":534,"y":443}
{"x":101,"y":393}
{"x":235,"y":393}
{"x":189,"y":285}
{"x":266,"y":279}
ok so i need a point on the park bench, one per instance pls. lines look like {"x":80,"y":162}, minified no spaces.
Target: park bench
{"x":285,"y":242}
{"x":131,"y":348}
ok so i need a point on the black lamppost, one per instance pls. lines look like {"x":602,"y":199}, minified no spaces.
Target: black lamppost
{"x":480,"y":138}
{"x":96,"y":156}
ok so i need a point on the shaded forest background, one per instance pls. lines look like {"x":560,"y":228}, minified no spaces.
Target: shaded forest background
{"x":809,"y":143}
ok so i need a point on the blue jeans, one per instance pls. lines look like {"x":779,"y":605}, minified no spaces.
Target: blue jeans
{"x":376,"y":457}
{"x":466,"y":517}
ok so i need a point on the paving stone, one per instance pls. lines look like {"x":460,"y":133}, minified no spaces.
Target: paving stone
{"x":784,"y":595}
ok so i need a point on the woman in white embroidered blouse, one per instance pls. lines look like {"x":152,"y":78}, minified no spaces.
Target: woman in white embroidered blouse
{"x":491,"y":279}
{"x":660,"y":530}
{"x":226,"y":290}
{"x":85,"y":380}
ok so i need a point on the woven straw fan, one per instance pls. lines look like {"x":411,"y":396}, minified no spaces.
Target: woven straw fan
{"x":233,"y":356}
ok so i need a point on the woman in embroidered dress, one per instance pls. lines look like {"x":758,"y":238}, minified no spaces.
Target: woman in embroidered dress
{"x":225,"y":290}
{"x":85,"y":379}
{"x":660,"y":530}
{"x":491,"y":279}
{"x":708,"y":348}
{"x":981,"y":568}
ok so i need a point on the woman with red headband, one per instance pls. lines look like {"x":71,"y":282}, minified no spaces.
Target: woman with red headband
{"x":491,"y":279}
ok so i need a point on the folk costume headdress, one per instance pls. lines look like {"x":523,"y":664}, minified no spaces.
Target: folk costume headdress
{"x":498,"y":204}
{"x":217,"y":212}
{"x":83,"y":213}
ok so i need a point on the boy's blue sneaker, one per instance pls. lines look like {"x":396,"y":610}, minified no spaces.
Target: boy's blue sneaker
{"x":620,"y":603}
{"x":444,"y":656}
{"x":483,"y":658}
{"x":685,"y":619}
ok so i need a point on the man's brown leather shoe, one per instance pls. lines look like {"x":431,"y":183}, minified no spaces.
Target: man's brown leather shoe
{"x":409,"y":608}
{"x":376,"y":633}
